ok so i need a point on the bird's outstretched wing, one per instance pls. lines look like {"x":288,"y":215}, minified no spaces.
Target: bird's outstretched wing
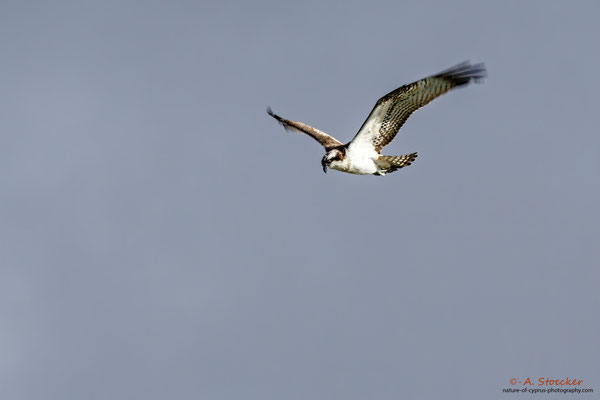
{"x":393,"y":109}
{"x":327,"y":141}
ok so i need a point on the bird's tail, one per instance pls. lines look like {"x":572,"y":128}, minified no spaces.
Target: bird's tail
{"x":393,"y":163}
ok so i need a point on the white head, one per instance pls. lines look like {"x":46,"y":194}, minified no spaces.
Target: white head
{"x":332,"y":155}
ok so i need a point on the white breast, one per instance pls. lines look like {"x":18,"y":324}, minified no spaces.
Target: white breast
{"x":360,"y":159}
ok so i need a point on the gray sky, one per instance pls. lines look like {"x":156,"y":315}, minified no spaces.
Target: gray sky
{"x":162,"y":237}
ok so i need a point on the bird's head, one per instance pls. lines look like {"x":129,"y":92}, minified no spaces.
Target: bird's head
{"x":332,"y":156}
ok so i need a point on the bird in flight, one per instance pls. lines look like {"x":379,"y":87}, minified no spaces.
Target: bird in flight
{"x":362,"y":155}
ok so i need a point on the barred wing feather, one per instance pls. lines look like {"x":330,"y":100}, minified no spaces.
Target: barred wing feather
{"x":392,"y":110}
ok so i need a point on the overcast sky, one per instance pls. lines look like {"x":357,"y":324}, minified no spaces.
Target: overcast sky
{"x":161,"y":237}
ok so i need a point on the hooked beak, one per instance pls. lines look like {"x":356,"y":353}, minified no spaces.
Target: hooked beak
{"x":324,"y":164}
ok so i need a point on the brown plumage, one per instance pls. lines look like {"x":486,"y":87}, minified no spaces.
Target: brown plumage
{"x":393,"y":163}
{"x":392,"y":110}
{"x":326,"y":141}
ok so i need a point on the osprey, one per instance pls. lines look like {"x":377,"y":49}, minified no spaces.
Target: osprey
{"x":362,"y":155}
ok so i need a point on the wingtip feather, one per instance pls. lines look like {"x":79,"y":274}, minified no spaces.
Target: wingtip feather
{"x":272,"y":114}
{"x":465,"y":72}
{"x":277,"y":117}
